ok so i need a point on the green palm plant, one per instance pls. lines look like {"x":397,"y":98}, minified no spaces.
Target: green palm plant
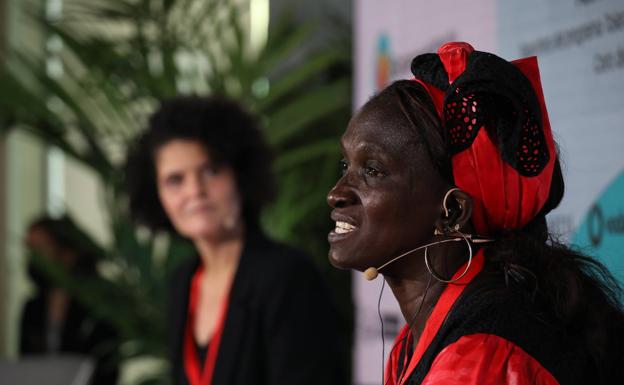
{"x":118,"y":58}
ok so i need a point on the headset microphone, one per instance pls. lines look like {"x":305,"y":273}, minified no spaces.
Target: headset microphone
{"x":371,"y":273}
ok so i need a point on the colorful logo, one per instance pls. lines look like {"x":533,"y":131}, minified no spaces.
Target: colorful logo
{"x":602,"y":231}
{"x":384,"y":62}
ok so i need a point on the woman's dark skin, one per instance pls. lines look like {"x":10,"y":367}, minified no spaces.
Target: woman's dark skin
{"x":392,"y":193}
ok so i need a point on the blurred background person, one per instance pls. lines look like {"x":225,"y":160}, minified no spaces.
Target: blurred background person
{"x":54,"y":321}
{"x":244,"y":310}
{"x":66,"y":145}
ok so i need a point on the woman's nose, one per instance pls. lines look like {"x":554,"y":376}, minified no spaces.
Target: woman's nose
{"x":196,"y":186}
{"x":340,"y":195}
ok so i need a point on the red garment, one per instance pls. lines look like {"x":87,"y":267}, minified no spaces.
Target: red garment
{"x":195,"y":373}
{"x":442,"y":308}
{"x":479,"y":359}
{"x":486,"y":359}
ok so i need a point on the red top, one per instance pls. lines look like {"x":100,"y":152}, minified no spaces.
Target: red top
{"x":486,"y":359}
{"x":476,"y":359}
{"x":196,"y":374}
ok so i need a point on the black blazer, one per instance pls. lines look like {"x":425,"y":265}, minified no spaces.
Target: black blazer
{"x":281,"y":326}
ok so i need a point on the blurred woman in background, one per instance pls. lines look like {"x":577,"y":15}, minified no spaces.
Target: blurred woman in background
{"x":54,"y":321}
{"x":447,"y":179}
{"x":246,"y":310}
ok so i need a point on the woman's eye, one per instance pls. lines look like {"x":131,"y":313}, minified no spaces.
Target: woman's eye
{"x":343,"y":166}
{"x":373,"y":172}
{"x":209,"y":171}
{"x":370,"y":171}
{"x":174,"y":180}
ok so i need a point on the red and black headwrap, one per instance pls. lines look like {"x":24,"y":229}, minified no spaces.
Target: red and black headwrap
{"x":496,"y":129}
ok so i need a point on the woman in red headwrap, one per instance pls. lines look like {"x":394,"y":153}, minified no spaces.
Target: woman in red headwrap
{"x":447,"y":179}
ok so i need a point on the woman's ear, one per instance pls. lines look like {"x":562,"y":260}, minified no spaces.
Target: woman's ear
{"x":456,"y":211}
{"x":465,"y":203}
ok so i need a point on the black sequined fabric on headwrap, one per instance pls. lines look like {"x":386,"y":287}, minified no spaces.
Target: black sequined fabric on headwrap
{"x":490,"y":93}
{"x":495,"y":128}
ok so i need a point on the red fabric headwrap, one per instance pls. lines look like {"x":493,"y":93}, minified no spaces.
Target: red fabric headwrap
{"x":503,"y":198}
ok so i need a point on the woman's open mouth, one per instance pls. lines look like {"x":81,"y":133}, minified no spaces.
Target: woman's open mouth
{"x":341,"y":231}
{"x":343,"y":227}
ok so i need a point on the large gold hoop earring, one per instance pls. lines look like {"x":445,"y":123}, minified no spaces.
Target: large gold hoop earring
{"x":437,"y":276}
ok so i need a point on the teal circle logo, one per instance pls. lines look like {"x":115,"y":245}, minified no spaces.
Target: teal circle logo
{"x":601,"y":233}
